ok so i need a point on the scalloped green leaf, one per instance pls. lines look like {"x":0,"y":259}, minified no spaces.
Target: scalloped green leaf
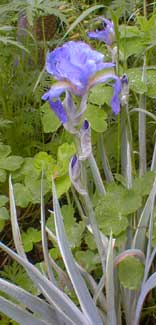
{"x":3,"y":175}
{"x":2,"y":224}
{"x":45,"y":161}
{"x":111,"y":222}
{"x":74,"y":230}
{"x":11,"y":163}
{"x":64,"y":154}
{"x":100,"y":95}
{"x":3,"y":200}
{"x":74,"y":233}
{"x":130,"y":272}
{"x":97,"y":118}
{"x":4,"y":214}
{"x":90,"y":241}
{"x":62,"y":185}
{"x":34,"y":186}
{"x":49,"y":120}
{"x":87,"y":259}
{"x":137,"y":85}
{"x":143,"y":184}
{"x":22,"y":195}
{"x":30,"y":237}
{"x":5,"y":150}
{"x":119,"y":201}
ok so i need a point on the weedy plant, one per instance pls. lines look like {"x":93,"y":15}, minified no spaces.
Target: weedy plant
{"x":119,"y":216}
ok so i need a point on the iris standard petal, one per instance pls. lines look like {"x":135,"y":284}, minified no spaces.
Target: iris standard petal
{"x":75,"y":62}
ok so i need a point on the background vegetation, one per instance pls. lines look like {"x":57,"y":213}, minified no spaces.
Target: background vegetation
{"x":31,"y":136}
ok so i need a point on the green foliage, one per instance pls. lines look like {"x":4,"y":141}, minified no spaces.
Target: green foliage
{"x":3,"y":200}
{"x":87,"y":259}
{"x":138,"y":86}
{"x":5,"y":150}
{"x":17,"y":275}
{"x":4,"y":214}
{"x":30,"y":237}
{"x":74,"y":230}
{"x":131,"y":272}
{"x":43,"y":161}
{"x":117,"y":204}
{"x":142,"y":185}
{"x":64,"y":154}
{"x":100,"y":95}
{"x":33,"y":139}
{"x":49,"y":120}
{"x":11,"y":163}
{"x":22,"y":195}
{"x":96,"y":116}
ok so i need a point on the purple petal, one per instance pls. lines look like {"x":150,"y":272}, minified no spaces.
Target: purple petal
{"x":56,"y":90}
{"x":75,"y":62}
{"x":124,"y":79}
{"x":73,"y":161}
{"x":101,"y":35}
{"x":59,"y":110}
{"x":85,"y":125}
{"x":106,"y":35}
{"x":115,"y":101}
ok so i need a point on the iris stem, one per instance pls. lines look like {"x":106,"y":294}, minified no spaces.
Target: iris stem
{"x":89,"y":211}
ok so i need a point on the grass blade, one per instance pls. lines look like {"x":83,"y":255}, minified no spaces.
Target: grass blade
{"x":111,"y":314}
{"x":54,"y":295}
{"x":14,"y":222}
{"x":81,"y":17}
{"x":88,"y":307}
{"x":139,"y":238}
{"x":44,"y":238}
{"x":153,"y":164}
{"x":16,"y":313}
{"x":148,"y":286}
{"x":34,"y":303}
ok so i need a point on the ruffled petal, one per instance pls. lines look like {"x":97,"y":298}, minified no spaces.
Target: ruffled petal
{"x":74,"y":62}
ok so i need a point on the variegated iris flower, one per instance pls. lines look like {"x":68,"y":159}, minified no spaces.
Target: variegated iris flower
{"x":76,"y":67}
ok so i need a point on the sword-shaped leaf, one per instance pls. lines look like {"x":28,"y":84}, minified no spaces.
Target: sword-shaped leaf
{"x":88,"y":307}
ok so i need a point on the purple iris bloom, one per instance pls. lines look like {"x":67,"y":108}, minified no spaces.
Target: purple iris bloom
{"x":74,"y":65}
{"x":106,"y":35}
